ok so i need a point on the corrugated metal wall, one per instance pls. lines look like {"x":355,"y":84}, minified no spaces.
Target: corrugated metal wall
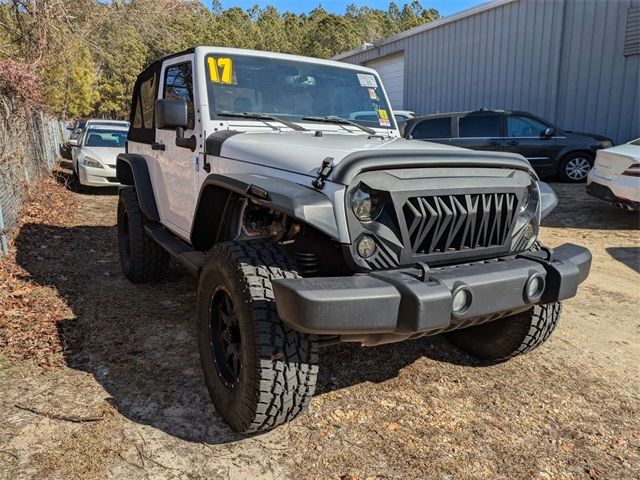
{"x":560,"y":59}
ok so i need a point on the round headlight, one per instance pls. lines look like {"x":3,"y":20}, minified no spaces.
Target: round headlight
{"x":365,"y":205}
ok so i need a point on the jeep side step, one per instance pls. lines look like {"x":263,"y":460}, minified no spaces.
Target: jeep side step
{"x":185,"y":254}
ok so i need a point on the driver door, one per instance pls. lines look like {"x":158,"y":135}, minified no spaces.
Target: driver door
{"x":176,"y":175}
{"x":525,"y":135}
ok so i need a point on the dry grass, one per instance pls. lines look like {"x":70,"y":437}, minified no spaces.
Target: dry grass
{"x":29,"y":310}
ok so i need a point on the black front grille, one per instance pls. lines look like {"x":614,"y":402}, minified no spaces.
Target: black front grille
{"x":453,"y":223}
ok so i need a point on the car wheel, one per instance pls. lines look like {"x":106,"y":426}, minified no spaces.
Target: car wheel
{"x":141,"y":259}
{"x":575,"y":167}
{"x":507,"y":337}
{"x":259,"y":372}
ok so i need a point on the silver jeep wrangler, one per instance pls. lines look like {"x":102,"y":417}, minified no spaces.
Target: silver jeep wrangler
{"x":284,"y":184}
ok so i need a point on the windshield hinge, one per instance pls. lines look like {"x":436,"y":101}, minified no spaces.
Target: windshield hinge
{"x":323,"y":173}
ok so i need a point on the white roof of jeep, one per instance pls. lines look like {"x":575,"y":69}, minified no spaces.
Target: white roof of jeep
{"x":201,"y":51}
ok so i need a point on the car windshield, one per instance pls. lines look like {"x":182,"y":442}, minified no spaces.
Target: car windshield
{"x":106,"y":138}
{"x":292,"y":89}
{"x":635,"y":142}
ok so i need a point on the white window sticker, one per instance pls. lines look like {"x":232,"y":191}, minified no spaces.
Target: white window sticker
{"x":367,"y":80}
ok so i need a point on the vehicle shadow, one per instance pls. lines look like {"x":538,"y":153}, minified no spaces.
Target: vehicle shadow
{"x":630,"y":256}
{"x":139,"y":340}
{"x":576,"y":209}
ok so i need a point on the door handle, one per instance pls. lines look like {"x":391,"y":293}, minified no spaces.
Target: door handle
{"x":513,"y":142}
{"x":157,"y":146}
{"x":494,"y":143}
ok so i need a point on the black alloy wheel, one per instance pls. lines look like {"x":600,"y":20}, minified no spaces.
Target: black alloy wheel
{"x":225,"y":338}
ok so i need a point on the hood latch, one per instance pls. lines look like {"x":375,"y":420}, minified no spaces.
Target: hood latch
{"x":323,"y":173}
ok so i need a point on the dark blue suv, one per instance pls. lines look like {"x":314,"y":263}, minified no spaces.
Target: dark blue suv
{"x":549,"y":149}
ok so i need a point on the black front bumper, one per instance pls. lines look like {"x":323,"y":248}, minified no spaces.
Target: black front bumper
{"x":410,"y":301}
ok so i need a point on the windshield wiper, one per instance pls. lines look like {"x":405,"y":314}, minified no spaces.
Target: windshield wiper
{"x":262,"y":116}
{"x":340,"y":121}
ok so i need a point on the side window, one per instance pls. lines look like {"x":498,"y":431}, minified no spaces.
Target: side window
{"x":434,"y":128}
{"x":137,"y":118}
{"x":147,"y":96}
{"x":479,"y":126}
{"x":178,"y":85}
{"x":520,"y":126}
{"x":143,"y":101}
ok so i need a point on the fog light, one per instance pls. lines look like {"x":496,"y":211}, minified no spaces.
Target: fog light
{"x":461,"y":301}
{"x":529,"y":231}
{"x":534,"y":287}
{"x":366,"y":247}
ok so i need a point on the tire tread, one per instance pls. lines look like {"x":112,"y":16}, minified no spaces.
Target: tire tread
{"x":147,"y":260}
{"x":287,"y":360}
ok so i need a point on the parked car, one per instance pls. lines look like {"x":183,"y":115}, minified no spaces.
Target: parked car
{"x":549,"y":149}
{"x":615,"y":178}
{"x":77,"y":128}
{"x":307,"y":227}
{"x":66,"y":149}
{"x":95,"y":152}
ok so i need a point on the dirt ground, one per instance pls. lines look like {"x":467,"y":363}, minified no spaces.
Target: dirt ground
{"x":100,"y":378}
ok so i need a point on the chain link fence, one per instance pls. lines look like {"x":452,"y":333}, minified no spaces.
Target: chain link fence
{"x":29,"y":148}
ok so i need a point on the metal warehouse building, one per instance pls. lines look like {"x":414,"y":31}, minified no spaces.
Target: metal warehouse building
{"x":573,"y":62}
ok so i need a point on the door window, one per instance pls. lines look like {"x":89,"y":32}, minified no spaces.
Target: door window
{"x":521,"y":126}
{"x":178,"y":85}
{"x":479,"y":126}
{"x":148,"y":97}
{"x":434,"y":128}
{"x":145,"y":93}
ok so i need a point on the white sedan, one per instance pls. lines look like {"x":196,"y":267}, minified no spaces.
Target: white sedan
{"x":615,"y":176}
{"x":95,"y":152}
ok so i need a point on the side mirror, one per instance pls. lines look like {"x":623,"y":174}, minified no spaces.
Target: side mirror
{"x":171,"y":114}
{"x":69,"y":127}
{"x":74,"y":142}
{"x":174,"y":114}
{"x":549,"y":132}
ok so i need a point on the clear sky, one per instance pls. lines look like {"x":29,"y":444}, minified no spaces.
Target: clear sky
{"x":445,"y":7}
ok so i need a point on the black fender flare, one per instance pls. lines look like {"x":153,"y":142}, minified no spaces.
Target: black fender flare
{"x":131,"y":169}
{"x":299,"y":202}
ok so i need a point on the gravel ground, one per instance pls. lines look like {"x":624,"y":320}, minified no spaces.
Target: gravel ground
{"x":118,"y":391}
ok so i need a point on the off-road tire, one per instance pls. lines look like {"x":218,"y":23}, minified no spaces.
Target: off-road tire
{"x":508,"y":337}
{"x":571,"y":157}
{"x":279,"y":366}
{"x":141,"y":259}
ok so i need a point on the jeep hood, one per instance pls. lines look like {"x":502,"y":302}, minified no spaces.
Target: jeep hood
{"x":303,"y":153}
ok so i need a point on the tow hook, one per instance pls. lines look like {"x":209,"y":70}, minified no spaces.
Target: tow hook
{"x":424,"y":271}
{"x":323,"y":173}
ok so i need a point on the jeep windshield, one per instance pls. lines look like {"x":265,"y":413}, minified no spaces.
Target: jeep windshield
{"x":293,"y":90}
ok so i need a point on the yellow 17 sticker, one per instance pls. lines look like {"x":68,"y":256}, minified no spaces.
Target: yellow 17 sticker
{"x":220,"y":70}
